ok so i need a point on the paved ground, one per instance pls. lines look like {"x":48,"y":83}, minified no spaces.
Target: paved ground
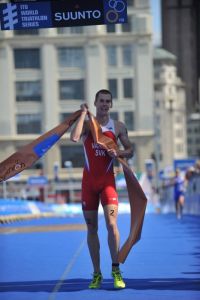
{"x":52,"y":261}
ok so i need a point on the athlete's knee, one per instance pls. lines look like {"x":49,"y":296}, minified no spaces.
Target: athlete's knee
{"x":111,"y":227}
{"x":92,"y":227}
{"x":92,"y":230}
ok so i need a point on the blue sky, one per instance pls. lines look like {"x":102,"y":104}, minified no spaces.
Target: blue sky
{"x":155,"y":7}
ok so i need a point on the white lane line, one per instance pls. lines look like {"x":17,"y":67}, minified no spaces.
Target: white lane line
{"x":67,"y":270}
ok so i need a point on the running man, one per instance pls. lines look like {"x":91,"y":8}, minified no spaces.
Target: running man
{"x":98,"y":183}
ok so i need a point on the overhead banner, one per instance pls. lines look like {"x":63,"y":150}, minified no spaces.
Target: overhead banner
{"x":50,"y":14}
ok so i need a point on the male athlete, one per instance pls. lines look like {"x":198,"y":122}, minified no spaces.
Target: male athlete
{"x":98,"y":182}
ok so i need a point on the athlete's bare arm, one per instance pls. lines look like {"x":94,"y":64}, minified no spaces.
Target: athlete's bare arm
{"x":127,"y":152}
{"x":122,"y":134}
{"x":80,"y":127}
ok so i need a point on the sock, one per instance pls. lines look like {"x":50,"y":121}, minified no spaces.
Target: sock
{"x":115,"y":266}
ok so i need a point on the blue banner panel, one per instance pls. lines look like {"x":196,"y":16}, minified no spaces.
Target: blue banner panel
{"x":47,"y":14}
{"x":41,"y":148}
{"x":27,"y":15}
{"x":184,"y":164}
{"x":77,"y":13}
{"x":37,"y":180}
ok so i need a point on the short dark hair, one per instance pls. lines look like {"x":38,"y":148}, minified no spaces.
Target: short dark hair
{"x":103,"y":91}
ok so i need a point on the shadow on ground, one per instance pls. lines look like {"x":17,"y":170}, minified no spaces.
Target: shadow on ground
{"x":78,"y":284}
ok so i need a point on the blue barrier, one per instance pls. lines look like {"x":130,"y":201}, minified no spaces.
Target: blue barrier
{"x":13,"y":206}
{"x":16,"y":207}
{"x":10,"y":209}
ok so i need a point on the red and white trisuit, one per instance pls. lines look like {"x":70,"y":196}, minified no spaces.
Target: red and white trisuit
{"x":98,"y":181}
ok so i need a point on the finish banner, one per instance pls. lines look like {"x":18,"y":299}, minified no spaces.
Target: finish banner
{"x":61,"y":13}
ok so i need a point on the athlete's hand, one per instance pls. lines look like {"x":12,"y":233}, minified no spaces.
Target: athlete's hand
{"x":113,"y":153}
{"x":84,"y":107}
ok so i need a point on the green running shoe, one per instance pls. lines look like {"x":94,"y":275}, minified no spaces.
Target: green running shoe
{"x":118,"y":280}
{"x":96,"y":281}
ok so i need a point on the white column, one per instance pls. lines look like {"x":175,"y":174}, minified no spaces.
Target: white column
{"x":95,"y":71}
{"x":50,"y":112}
{"x":7,"y":90}
{"x":144,"y":86}
{"x":49,"y":86}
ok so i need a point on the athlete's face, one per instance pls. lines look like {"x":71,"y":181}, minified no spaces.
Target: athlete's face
{"x":103,"y":103}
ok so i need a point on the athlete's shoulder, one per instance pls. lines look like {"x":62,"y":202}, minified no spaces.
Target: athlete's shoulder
{"x":120,"y":127}
{"x":119,"y":124}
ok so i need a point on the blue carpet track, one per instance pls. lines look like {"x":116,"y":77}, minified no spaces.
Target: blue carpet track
{"x":163,"y":265}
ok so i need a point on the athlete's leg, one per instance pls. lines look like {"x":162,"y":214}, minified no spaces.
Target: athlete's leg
{"x":181,"y":201}
{"x":91,"y":218}
{"x":109,"y":200}
{"x":111,"y":212}
{"x":177,"y":208}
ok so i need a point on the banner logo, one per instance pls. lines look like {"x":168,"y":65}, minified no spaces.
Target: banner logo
{"x":115,"y":11}
{"x":117,"y":5}
{"x":77,"y":15}
{"x":10,"y":16}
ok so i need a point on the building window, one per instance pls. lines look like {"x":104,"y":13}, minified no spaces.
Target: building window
{"x":196,"y":130}
{"x":128,"y":87}
{"x":71,"y":89}
{"x":70,"y":30}
{"x":179,"y":148}
{"x":29,"y":123}
{"x":179,"y":133}
{"x":71,"y":57}
{"x":197,"y":141}
{"x":130,"y":2}
{"x":28,"y":91}
{"x":142,"y":24}
{"x":127,"y":55}
{"x":26,"y":32}
{"x":77,"y":30}
{"x":112,"y":55}
{"x":110,"y":28}
{"x":114,"y":115}
{"x":112,"y":86}
{"x":27,"y":58}
{"x":129,"y":120}
{"x":70,"y":153}
{"x":157,"y":103}
{"x":64,"y":116}
{"x":126,"y":27}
